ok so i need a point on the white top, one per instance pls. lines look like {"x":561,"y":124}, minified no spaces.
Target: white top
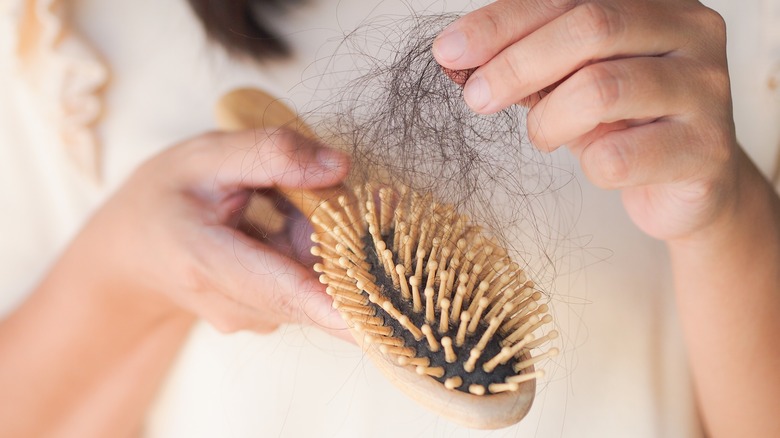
{"x":622,"y":371}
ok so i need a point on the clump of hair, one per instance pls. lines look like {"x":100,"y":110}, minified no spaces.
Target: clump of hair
{"x":403,"y":118}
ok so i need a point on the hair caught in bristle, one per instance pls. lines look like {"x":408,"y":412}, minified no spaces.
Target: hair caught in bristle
{"x":430,"y":289}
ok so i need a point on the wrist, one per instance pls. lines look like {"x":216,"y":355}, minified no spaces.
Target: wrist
{"x":90,"y":278}
{"x":748,"y":213}
{"x":93,"y":354}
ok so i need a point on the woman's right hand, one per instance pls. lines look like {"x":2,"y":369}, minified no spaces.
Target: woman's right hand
{"x":169,"y":239}
{"x":637,"y":90}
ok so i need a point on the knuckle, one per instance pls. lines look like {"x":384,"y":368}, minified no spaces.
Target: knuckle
{"x":494,"y":22}
{"x":194,"y":153}
{"x":713,"y":21}
{"x":603,"y":86}
{"x":716,"y":78}
{"x":704,"y":193}
{"x":282,"y":141}
{"x":535,"y":128}
{"x":562,"y":4}
{"x":712,"y":28}
{"x":718,"y":144}
{"x":286,"y":148}
{"x":592,"y":24}
{"x":489,"y":21}
{"x":275,"y":149}
{"x":513,"y":62}
{"x":607,"y":165}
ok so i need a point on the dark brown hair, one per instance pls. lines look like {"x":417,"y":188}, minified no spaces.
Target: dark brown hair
{"x":242,"y":26}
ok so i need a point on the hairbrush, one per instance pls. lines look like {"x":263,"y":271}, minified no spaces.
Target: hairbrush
{"x":437,"y":304}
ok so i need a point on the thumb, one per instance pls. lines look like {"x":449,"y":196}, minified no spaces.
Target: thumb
{"x":289,"y":159}
{"x":316,"y":309}
{"x":228,"y":161}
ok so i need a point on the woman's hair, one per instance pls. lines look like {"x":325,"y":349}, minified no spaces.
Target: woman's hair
{"x":243,"y":26}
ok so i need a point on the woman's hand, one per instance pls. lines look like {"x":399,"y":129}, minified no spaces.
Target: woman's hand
{"x":638,"y":90}
{"x":86,"y":353}
{"x":170,"y":234}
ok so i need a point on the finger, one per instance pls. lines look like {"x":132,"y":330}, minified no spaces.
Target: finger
{"x":587,"y":33}
{"x":292,"y":292}
{"x":664,"y":151}
{"x":230,"y":316}
{"x":316,"y":309}
{"x":285,"y":287}
{"x":255,"y":288}
{"x":608,"y":92}
{"x":478,"y":36}
{"x":227,"y":161}
{"x":256,"y":275}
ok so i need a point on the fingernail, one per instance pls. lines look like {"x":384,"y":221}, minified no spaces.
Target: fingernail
{"x":476,"y":93}
{"x":449,"y":45}
{"x":332,"y":159}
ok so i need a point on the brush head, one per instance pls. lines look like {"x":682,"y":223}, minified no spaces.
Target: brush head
{"x":439,"y":307}
{"x":439,"y":303}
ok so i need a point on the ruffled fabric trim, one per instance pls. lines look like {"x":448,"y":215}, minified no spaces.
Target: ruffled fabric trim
{"x":63,"y":74}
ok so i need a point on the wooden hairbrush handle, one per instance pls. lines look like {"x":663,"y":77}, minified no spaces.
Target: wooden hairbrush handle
{"x":250,"y":108}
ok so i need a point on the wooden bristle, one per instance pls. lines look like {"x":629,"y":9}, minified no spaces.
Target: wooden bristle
{"x":464,"y":322}
{"x":413,"y":361}
{"x":483,"y":302}
{"x":431,"y":273}
{"x":444,"y":258}
{"x":387,"y":211}
{"x":401,"y":271}
{"x":353,"y":308}
{"x":504,"y":355}
{"x":435,"y":244}
{"x":346,"y":295}
{"x":471,"y":363}
{"x":477,"y":389}
{"x":525,"y":377}
{"x":453,"y":382}
{"x":399,"y":351}
{"x":416,"y":298}
{"x":383,"y":333}
{"x":444,"y":324}
{"x":443,"y":275}
{"x":418,"y":272}
{"x":534,"y":360}
{"x":457,"y":303}
{"x":433,"y":344}
{"x":431,"y":371}
{"x":330,"y":271}
{"x":449,"y":352}
{"x":522,"y":330}
{"x":407,"y":244}
{"x":407,"y":324}
{"x":365,"y":319}
{"x":552,"y":334}
{"x":430,"y":310}
{"x":495,"y":388}
{"x":430,"y":289}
